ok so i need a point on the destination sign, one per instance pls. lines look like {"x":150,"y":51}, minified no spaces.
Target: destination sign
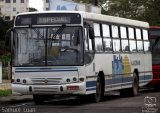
{"x":48,"y":19}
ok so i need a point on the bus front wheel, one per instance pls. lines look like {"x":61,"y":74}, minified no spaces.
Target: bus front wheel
{"x":98,"y":95}
{"x":38,"y":99}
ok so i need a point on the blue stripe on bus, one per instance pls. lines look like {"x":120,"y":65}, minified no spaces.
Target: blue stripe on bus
{"x":141,"y":78}
{"x":115,"y":82}
{"x":22,"y":70}
{"x":148,"y":77}
{"x":127,"y":79}
{"x":90,"y":84}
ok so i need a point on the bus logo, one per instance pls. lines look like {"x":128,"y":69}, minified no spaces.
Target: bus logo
{"x":46,"y":81}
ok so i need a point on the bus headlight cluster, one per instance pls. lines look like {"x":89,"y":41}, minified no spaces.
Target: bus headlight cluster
{"x":19,"y":81}
{"x":74,"y":79}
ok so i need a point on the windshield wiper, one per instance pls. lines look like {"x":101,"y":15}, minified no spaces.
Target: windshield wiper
{"x":59,"y":31}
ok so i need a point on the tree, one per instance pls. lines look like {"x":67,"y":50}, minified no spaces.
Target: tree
{"x":144,"y":10}
{"x":5,"y":25}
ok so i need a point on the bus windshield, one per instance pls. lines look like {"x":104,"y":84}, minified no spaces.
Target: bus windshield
{"x":59,"y":45}
{"x":155,"y":42}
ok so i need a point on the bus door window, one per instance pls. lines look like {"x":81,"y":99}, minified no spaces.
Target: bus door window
{"x":89,"y":55}
{"x":88,"y":40}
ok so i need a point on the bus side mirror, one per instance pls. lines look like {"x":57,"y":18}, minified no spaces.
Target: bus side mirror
{"x":91,"y":33}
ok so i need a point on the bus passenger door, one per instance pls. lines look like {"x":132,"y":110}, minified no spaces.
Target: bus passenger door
{"x":89,"y":62}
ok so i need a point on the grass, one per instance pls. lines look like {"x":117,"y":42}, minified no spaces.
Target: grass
{"x":6,"y":92}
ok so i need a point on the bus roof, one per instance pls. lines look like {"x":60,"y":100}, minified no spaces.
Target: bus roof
{"x":99,"y":17}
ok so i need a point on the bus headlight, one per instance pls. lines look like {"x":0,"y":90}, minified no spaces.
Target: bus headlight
{"x":74,"y":79}
{"x":24,"y":81}
{"x":68,"y":80}
{"x":18,"y":80}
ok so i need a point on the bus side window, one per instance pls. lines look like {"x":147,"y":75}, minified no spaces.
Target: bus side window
{"x":107,"y":41}
{"x":132,"y":41}
{"x":116,"y":39}
{"x":124,"y":40}
{"x":145,"y":39}
{"x":98,"y":38}
{"x":139,"y":40}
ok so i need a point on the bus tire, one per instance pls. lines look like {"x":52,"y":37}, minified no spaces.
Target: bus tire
{"x":38,"y":99}
{"x":133,"y":91}
{"x":98,"y":95}
{"x":135,"y":86}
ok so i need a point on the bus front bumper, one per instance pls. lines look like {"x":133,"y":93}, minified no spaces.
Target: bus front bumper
{"x":74,"y":88}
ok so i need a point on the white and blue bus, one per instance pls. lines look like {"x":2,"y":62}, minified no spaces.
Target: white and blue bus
{"x":78,"y":53}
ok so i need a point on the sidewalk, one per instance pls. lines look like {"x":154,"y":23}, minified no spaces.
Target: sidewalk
{"x":6,"y":84}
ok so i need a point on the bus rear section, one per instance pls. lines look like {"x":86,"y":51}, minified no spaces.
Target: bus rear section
{"x":155,"y":46}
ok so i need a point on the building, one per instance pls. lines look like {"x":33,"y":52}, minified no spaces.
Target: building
{"x":9,"y":8}
{"x":69,"y":5}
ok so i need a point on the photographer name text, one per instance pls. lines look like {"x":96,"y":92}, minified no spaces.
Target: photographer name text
{"x":18,"y":110}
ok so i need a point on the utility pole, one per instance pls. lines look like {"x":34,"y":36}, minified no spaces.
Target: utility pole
{"x":96,"y":2}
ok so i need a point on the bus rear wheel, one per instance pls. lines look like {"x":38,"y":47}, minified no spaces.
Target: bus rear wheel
{"x":133,"y":91}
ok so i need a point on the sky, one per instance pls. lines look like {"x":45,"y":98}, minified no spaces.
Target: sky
{"x":38,"y":4}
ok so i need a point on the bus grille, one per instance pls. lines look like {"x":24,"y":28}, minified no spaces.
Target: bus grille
{"x":46,"y":81}
{"x":45,"y":89}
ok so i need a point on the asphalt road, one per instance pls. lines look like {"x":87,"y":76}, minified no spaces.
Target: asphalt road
{"x":148,"y":101}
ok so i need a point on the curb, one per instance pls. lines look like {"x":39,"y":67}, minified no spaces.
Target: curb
{"x":4,"y":86}
{"x":15,"y":99}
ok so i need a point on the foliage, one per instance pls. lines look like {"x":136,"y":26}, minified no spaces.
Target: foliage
{"x":5,"y":59}
{"x":144,"y":10}
{"x":5,"y":25}
{"x":6,"y":92}
{"x":31,"y":9}
{"x":100,"y":2}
